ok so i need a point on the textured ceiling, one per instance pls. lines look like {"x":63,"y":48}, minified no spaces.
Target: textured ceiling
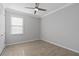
{"x":21,"y":7}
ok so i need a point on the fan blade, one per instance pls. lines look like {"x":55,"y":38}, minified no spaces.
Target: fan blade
{"x":35,"y":12}
{"x":30,"y":7}
{"x":36,"y":5}
{"x":41,"y":9}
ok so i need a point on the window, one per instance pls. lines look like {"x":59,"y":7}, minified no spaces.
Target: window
{"x":16,"y":25}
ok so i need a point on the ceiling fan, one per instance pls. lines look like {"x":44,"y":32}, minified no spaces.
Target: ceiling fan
{"x":36,"y":8}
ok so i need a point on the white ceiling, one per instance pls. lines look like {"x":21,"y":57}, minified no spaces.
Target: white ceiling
{"x":21,"y":7}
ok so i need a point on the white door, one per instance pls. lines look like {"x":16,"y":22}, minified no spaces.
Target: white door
{"x":2,"y":28}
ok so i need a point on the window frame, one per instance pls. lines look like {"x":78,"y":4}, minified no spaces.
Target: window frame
{"x":17,"y":26}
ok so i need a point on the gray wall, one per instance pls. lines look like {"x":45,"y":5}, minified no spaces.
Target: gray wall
{"x":62,"y":27}
{"x":31,"y":27}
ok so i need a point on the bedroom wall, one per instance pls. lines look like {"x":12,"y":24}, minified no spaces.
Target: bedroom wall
{"x":62,"y":27}
{"x":31,"y":28}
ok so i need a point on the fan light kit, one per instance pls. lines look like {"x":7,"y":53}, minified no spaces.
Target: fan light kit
{"x":36,"y":9}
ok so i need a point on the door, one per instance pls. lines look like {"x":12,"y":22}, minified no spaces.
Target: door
{"x":2,"y":28}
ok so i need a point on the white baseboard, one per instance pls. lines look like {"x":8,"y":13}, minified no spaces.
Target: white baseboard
{"x":21,"y":42}
{"x":61,"y":46}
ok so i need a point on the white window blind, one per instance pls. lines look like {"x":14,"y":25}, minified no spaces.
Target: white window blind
{"x":16,"y":25}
